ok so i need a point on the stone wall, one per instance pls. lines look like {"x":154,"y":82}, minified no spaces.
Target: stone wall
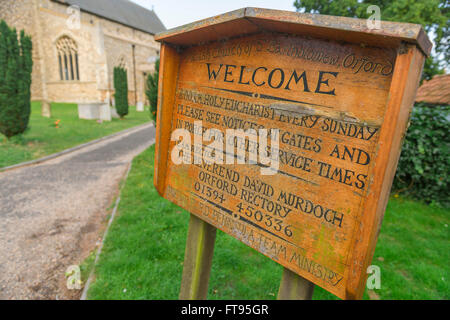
{"x":119,"y":42}
{"x":91,"y":56}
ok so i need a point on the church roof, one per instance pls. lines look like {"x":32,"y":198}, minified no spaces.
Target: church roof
{"x":435,"y":91}
{"x":121,"y":11}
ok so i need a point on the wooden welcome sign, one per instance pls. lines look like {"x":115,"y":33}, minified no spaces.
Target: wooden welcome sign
{"x":335,"y":97}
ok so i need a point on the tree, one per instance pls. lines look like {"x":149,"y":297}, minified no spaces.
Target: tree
{"x":152,"y":90}
{"x":121,"y":91}
{"x":433,"y":15}
{"x":16,"y":66}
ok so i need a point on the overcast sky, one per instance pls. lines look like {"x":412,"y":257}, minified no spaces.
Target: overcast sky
{"x":174,"y":13}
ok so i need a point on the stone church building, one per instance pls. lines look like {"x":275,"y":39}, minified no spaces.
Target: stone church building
{"x":77,"y":44}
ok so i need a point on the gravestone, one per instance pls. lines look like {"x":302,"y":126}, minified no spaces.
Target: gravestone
{"x":94,"y":111}
{"x":114,"y":113}
{"x":337,"y":97}
{"x":104,"y":112}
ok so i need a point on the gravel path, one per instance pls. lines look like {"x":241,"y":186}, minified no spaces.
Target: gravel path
{"x":52,"y":214}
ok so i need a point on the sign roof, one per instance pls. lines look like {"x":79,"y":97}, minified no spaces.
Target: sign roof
{"x":252,"y":20}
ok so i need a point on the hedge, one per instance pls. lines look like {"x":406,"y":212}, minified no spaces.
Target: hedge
{"x":424,"y":163}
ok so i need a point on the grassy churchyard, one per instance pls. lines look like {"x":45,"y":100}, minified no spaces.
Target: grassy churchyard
{"x":44,"y":137}
{"x":143,"y":253}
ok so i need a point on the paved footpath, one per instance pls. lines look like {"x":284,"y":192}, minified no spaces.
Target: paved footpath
{"x":52,"y":214}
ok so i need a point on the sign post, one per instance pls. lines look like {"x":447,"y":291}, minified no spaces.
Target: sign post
{"x":284,"y":131}
{"x":294,"y":287}
{"x":197,"y":260}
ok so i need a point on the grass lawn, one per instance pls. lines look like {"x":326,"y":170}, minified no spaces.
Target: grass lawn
{"x":42,"y":138}
{"x":144,"y":251}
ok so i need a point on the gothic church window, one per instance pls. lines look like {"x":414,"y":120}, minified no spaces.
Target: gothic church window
{"x":68,"y":59}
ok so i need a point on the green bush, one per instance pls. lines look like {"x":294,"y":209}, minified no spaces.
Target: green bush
{"x":152,"y":91}
{"x":16,"y":65}
{"x":121,"y":91}
{"x":423,"y":167}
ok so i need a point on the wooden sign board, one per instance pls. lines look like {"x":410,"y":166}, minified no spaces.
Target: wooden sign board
{"x":340,"y":96}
